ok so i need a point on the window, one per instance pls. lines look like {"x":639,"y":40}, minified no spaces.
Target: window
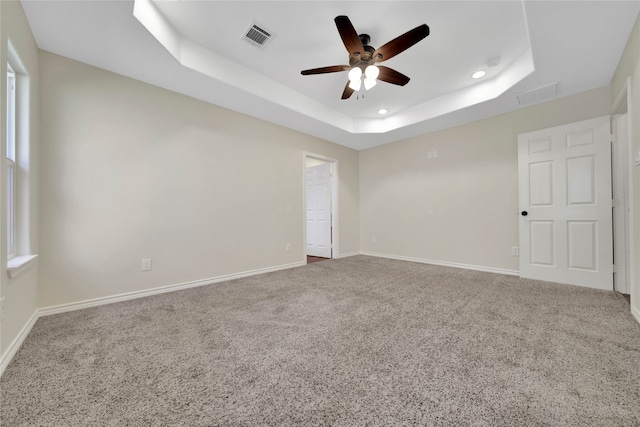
{"x":18,"y":180}
{"x":11,"y":160}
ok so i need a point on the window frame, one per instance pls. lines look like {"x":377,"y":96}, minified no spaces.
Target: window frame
{"x":11,"y":160}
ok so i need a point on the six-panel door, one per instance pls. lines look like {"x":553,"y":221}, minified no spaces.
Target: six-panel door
{"x":565,"y":225}
{"x":318,"y":200}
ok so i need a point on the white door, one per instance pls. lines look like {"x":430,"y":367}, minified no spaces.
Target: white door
{"x":565,"y":204}
{"x":318,"y":196}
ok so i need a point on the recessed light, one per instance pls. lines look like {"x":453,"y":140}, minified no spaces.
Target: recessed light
{"x":478,"y":74}
{"x":383,"y":111}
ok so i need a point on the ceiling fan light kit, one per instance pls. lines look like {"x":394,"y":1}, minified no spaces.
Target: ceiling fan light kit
{"x":357,"y":78}
{"x":363,"y":58}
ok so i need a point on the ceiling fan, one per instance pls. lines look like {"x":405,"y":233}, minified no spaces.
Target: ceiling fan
{"x":363,"y":58}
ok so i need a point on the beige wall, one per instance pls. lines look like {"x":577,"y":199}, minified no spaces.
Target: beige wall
{"x":629,"y":66}
{"x":461,"y":207}
{"x":133,"y":171}
{"x":20,"y":293}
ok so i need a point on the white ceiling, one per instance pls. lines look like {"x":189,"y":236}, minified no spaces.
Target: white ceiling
{"x":196,"y":48}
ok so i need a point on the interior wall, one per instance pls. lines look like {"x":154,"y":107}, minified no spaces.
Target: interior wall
{"x":134,"y":171}
{"x":20,"y":293}
{"x":629,"y":66}
{"x":452,"y":196}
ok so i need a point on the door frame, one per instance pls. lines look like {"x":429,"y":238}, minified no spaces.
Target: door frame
{"x":335,"y":247}
{"x":622,"y":105}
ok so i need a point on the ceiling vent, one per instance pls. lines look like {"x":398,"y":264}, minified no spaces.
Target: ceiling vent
{"x":257,"y":35}
{"x":539,"y":94}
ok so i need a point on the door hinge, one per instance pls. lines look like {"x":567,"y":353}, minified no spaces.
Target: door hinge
{"x":614,"y":137}
{"x":615,"y":268}
{"x":615,"y":203}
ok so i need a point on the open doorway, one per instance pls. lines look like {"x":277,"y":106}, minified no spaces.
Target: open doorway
{"x":621,"y":190}
{"x":320,"y":207}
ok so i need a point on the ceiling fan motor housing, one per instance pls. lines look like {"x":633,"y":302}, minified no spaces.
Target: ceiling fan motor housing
{"x":365,"y":58}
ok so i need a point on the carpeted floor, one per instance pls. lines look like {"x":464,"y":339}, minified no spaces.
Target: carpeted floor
{"x":347,"y":342}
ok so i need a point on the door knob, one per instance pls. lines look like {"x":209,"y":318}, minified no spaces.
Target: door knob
{"x":525,"y":213}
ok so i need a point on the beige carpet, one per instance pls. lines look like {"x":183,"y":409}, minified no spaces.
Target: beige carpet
{"x":349,"y":342}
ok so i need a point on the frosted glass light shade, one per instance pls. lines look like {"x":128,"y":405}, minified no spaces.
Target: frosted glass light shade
{"x":355,"y":84}
{"x":355,"y":74}
{"x":372,"y":72}
{"x":369,"y":83}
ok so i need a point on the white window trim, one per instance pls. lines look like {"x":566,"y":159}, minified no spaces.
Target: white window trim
{"x":17,"y":265}
{"x":11,"y":164}
{"x":11,"y":209}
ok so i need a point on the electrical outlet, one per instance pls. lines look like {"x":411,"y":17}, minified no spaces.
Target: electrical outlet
{"x":146,"y":264}
{"x":435,"y":154}
{"x":515,"y":251}
{"x":3,"y":308}
{"x":287,"y":247}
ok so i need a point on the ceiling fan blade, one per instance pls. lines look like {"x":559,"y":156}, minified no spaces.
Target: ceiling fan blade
{"x":392,"y":76}
{"x":401,"y":43}
{"x":324,"y":70}
{"x":349,"y":35}
{"x":347,"y":92}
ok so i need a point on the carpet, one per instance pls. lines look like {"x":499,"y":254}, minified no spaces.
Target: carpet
{"x":347,"y":342}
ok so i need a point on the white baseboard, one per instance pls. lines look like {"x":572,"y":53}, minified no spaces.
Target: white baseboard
{"x":445,"y":263}
{"x":63,"y":308}
{"x":636,"y":313}
{"x":348,"y":254}
{"x":15,"y":345}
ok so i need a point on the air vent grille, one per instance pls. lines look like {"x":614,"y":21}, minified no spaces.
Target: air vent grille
{"x":537,"y":95}
{"x":257,"y":35}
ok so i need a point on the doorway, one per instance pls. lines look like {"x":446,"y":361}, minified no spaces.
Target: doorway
{"x":320,"y":207}
{"x":621,"y":189}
